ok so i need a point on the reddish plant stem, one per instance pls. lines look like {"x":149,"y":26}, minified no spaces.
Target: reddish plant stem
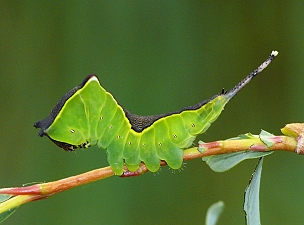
{"x":211,"y":148}
{"x":54,"y":187}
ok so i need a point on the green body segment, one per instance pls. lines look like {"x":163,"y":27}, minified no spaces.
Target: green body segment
{"x":131,"y":150}
{"x":92,"y":116}
{"x":198,"y":121}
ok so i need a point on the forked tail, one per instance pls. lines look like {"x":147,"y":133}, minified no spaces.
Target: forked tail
{"x":250,"y":76}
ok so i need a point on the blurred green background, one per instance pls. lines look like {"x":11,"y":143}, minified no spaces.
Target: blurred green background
{"x":154,"y":57}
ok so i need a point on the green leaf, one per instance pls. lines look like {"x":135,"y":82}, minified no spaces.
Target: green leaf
{"x":265,"y":137}
{"x":252,"y":203}
{"x":4,"y":198}
{"x":6,"y":214}
{"x":214,"y":213}
{"x":224,"y":162}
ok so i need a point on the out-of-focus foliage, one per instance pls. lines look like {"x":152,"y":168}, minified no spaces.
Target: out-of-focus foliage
{"x":155,"y":57}
{"x":214,"y":212}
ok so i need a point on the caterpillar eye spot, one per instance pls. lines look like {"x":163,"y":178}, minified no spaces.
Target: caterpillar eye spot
{"x":101,"y":118}
{"x":72,"y":131}
{"x":144,"y":145}
{"x":175,"y":136}
{"x":192,"y":124}
{"x":160,"y":144}
{"x":129,"y":143}
{"x":118,"y":136}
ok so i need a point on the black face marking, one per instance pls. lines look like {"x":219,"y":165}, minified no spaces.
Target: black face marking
{"x":45,"y":123}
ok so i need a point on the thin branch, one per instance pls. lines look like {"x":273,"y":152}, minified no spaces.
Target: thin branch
{"x":22,"y":195}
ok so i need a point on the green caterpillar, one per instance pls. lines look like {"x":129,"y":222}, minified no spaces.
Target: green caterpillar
{"x":88,"y":115}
